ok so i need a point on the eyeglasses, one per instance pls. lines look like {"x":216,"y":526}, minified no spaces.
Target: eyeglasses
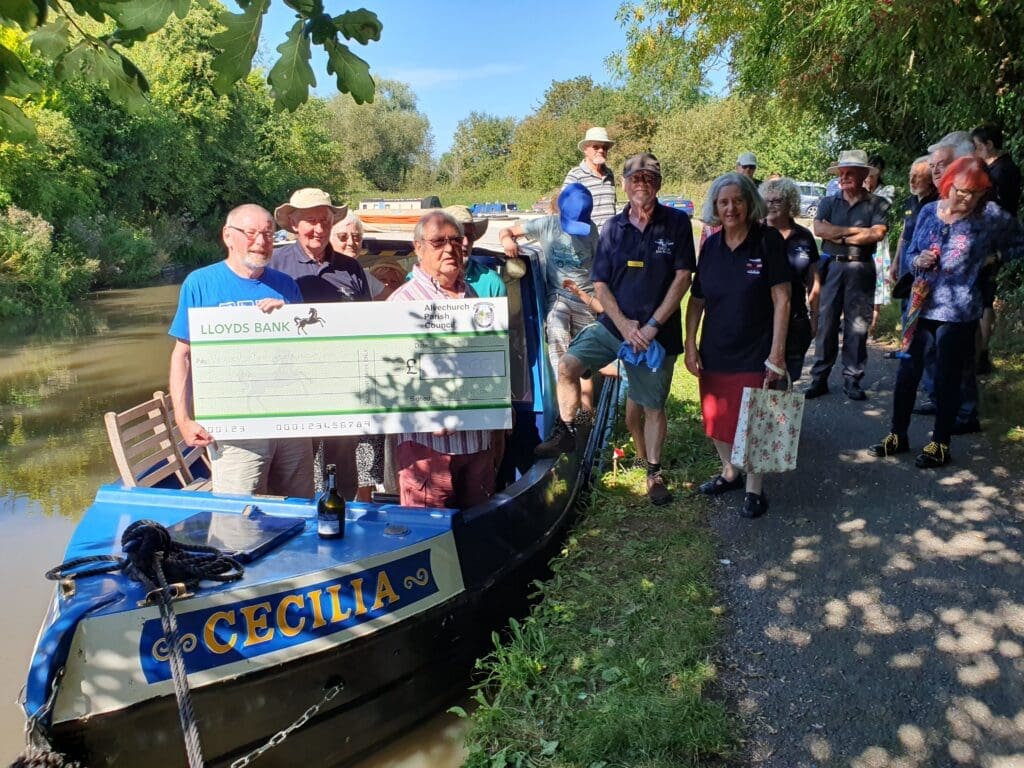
{"x":440,"y":242}
{"x":749,"y":167}
{"x":344,"y":237}
{"x":773,"y":201}
{"x":253,"y":234}
{"x":964,"y":194}
{"x":643,"y":178}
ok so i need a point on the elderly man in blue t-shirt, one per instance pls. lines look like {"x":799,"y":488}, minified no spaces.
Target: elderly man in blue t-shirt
{"x":281,"y":467}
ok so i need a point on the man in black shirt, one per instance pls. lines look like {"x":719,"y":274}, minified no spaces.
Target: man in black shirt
{"x":1006,"y":183}
{"x":850,"y":224}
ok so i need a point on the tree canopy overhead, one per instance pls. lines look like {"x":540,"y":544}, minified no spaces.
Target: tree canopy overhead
{"x":92,"y":40}
{"x":899,"y":71}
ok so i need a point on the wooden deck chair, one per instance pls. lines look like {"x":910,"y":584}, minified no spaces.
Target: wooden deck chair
{"x":189,"y":454}
{"x":145,"y":450}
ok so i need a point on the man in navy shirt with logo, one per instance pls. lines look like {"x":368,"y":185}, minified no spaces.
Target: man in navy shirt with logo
{"x":641,"y":271}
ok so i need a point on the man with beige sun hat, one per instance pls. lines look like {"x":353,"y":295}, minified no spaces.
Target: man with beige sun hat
{"x":595,"y":174}
{"x":322,"y":273}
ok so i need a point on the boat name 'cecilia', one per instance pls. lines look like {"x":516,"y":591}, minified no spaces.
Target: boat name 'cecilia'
{"x":223,"y":634}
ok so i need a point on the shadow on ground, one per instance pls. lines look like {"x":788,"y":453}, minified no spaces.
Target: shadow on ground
{"x":877,"y":612}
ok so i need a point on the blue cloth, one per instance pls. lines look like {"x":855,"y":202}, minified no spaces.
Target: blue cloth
{"x":217,"y":286}
{"x":639,"y":267}
{"x":964,"y":246}
{"x":484,"y":280}
{"x":653,"y":357}
{"x":337,"y":278}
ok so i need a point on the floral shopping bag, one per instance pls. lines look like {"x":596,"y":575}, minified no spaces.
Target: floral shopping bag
{"x":768,"y":431}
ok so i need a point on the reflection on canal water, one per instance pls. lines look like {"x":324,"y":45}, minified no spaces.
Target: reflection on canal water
{"x":54,"y":388}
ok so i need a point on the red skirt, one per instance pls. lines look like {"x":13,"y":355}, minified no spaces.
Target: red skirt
{"x":720,"y":398}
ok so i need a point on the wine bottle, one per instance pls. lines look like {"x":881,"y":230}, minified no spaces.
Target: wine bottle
{"x":330,"y":509}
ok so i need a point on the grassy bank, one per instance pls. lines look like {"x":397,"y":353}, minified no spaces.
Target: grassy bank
{"x":613,"y":667}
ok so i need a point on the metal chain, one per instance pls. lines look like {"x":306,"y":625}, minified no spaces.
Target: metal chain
{"x":32,"y":723}
{"x":280,"y":736}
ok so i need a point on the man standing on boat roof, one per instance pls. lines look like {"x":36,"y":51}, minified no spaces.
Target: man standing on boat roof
{"x":322,"y":273}
{"x":596,"y":175}
{"x":642,"y":269}
{"x":280,"y":467}
{"x":443,"y":468}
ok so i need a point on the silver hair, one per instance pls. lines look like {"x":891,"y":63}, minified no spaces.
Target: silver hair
{"x":790,"y":194}
{"x":238,"y":210}
{"x":756,"y":209}
{"x":447,"y":218}
{"x":960,"y":141}
{"x":922,"y":160}
{"x":351,"y":218}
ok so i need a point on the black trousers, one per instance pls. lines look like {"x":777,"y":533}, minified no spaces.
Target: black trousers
{"x":954,"y":346}
{"x":848,"y":293}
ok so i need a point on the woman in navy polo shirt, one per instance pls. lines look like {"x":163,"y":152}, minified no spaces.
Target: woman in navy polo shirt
{"x":741,"y":289}
{"x":782,"y":199}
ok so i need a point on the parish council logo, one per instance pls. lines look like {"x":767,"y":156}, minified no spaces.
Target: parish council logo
{"x":483,"y":315}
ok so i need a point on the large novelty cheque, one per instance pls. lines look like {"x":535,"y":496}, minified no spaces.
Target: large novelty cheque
{"x":351,"y":368}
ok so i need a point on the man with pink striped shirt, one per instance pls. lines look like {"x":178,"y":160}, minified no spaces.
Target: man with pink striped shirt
{"x":444,"y":468}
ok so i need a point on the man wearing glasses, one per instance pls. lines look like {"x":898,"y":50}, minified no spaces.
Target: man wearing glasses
{"x":444,"y":468}
{"x":850,"y":224}
{"x":279,"y":467}
{"x":321,"y":272}
{"x":641,"y":270}
{"x":595,"y":174}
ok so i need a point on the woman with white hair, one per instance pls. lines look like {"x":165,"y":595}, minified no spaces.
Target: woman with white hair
{"x":782,"y":198}
{"x":347,"y":238}
{"x":741,"y":290}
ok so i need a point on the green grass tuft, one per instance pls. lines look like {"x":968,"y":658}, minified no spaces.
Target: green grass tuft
{"x":613,"y":666}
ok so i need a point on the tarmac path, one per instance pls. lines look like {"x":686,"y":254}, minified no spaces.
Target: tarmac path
{"x":876,"y":613}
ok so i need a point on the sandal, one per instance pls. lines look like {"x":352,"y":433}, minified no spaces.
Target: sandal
{"x":718,"y":484}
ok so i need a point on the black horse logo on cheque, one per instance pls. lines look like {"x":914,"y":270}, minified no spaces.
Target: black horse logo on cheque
{"x":313,"y":319}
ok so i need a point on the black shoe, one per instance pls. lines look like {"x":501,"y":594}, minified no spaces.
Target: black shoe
{"x":718,"y":484}
{"x":966,"y":426}
{"x":927,"y":408}
{"x":656,"y":491}
{"x":890,"y":445}
{"x":754,"y":505}
{"x":933,"y":455}
{"x":562,"y":440}
{"x":984,"y":363}
{"x":818,"y":388}
{"x":853,"y":390}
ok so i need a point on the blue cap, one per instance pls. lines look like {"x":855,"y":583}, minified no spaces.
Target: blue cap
{"x":575,"y":204}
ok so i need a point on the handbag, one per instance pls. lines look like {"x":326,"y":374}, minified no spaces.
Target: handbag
{"x":901,"y":289}
{"x":768,"y":430}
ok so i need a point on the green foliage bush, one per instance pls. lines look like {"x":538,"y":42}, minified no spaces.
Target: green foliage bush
{"x":37,"y":277}
{"x":126,"y":254}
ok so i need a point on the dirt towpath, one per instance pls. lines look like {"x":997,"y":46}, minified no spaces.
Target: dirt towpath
{"x":876,"y":613}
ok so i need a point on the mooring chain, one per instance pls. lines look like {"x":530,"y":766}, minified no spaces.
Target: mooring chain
{"x":280,"y":736}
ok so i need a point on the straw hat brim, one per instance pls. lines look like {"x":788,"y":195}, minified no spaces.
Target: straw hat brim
{"x":283,"y":214}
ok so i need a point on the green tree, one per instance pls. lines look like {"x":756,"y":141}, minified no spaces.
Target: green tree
{"x":97,"y":50}
{"x":480,"y":149}
{"x":383,"y":140}
{"x":900,"y":73}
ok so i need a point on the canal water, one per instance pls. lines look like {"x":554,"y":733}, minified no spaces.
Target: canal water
{"x":55,"y":386}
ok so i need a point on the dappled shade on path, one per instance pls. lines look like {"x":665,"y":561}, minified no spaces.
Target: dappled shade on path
{"x":877,"y":612}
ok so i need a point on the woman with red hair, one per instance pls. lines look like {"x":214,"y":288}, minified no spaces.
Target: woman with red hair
{"x":954,"y":238}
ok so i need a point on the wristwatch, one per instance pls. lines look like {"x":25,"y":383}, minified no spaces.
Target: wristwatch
{"x":653,"y":323}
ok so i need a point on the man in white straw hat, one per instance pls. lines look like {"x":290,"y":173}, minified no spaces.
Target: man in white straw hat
{"x":322,"y":274}
{"x":595,"y":174}
{"x":850,"y":224}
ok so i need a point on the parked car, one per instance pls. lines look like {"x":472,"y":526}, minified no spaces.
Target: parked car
{"x":810,"y":194}
{"x":680,"y":203}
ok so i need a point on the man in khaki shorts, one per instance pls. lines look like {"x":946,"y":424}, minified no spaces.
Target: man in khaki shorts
{"x":281,"y":466}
